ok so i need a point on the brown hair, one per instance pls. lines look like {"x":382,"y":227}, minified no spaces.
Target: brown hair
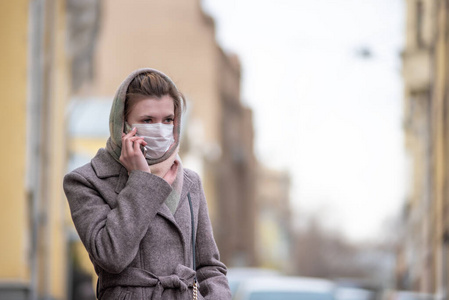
{"x":154,"y":85}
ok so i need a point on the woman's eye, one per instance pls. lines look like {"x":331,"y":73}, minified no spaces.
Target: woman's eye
{"x":147,"y":121}
{"x":169,"y":120}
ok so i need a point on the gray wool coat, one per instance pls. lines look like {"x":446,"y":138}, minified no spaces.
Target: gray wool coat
{"x":139,"y":249}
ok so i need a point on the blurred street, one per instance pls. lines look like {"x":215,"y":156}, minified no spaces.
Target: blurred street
{"x":322,"y":166}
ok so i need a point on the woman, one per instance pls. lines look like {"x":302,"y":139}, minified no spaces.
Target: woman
{"x":134,"y":206}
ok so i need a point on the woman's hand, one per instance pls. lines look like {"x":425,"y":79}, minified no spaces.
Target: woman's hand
{"x":171,"y":174}
{"x":132,"y":157}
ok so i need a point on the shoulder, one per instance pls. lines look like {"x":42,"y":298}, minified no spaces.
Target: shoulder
{"x":99,"y":176}
{"x":101,"y":166}
{"x":82,"y":175}
{"x":84,"y":171}
{"x":192,"y":177}
{"x":191,"y":174}
{"x":192,"y":182}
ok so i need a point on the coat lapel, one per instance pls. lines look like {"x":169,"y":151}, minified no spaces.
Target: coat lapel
{"x":106,"y":166}
{"x":165,"y":212}
{"x":185,"y":189}
{"x":178,"y":218}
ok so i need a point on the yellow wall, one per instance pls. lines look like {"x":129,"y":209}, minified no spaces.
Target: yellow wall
{"x":87,"y":146}
{"x":57,"y":213}
{"x":13,"y":84}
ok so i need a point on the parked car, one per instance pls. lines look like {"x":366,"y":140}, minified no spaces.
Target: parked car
{"x":353,"y":293}
{"x":407,"y":295}
{"x":285,"y":288}
{"x":238,"y":275}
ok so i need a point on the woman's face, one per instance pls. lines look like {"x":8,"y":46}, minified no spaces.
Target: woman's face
{"x":152,"y":110}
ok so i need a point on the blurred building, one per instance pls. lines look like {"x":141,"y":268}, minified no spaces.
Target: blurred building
{"x":35,"y":254}
{"x":423,"y":254}
{"x":15,"y":230}
{"x":36,"y":83}
{"x":35,"y":80}
{"x":273,"y":230}
{"x":235,"y":215}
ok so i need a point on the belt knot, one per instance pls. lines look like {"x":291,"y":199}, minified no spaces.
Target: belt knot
{"x":172,"y":282}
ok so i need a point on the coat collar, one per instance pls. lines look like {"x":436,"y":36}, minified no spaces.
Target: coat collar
{"x":186,"y":186}
{"x":105,"y":165}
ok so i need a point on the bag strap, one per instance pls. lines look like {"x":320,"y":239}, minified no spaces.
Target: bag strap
{"x":192,"y":218}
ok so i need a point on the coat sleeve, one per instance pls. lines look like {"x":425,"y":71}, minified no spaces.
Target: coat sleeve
{"x":112,"y":236}
{"x":211,"y":272}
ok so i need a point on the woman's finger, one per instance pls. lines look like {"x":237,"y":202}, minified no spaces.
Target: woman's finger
{"x":128,"y":147}
{"x":131,"y":133}
{"x":137,"y":143}
{"x":135,"y":138}
{"x":127,"y":141}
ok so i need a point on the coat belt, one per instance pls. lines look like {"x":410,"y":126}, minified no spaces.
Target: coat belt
{"x":182,"y":279}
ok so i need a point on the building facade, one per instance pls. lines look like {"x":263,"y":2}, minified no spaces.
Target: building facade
{"x":14,"y":265}
{"x":36,"y":81}
{"x":273,"y":229}
{"x":235,"y":216}
{"x":35,"y":256}
{"x":423,"y":255}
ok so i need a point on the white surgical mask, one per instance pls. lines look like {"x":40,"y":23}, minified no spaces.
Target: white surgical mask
{"x":159,"y":138}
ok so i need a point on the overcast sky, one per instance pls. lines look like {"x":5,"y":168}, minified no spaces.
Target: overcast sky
{"x":323,"y":110}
